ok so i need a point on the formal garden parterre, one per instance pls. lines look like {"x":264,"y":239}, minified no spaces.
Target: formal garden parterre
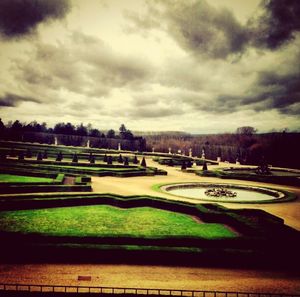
{"x":97,"y":227}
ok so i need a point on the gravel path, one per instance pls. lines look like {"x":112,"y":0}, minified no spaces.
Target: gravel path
{"x":154,"y":277}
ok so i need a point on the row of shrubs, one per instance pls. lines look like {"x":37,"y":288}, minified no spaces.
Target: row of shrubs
{"x":37,"y":167}
{"x":75,"y":157}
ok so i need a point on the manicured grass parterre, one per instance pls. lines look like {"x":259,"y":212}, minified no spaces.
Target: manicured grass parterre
{"x":104,"y":220}
{"x":10,"y":178}
{"x":139,"y":229}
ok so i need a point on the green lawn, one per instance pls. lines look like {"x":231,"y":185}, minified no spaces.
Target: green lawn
{"x":103,"y":220}
{"x":10,"y":178}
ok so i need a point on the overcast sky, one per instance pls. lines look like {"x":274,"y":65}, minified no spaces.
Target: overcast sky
{"x":182,"y":65}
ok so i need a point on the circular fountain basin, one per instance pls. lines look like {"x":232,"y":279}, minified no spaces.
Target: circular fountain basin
{"x":244,"y":194}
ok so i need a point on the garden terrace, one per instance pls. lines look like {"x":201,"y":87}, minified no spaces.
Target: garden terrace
{"x":277,"y":176}
{"x":76,"y":168}
{"x":68,"y":227}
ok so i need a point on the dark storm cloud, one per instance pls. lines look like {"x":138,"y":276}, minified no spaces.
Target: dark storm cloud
{"x":283,"y":91}
{"x":196,"y":26}
{"x":12,"y":100}
{"x":199,"y":27}
{"x":202,"y":29}
{"x":21,"y":17}
{"x":277,"y":25}
{"x":270,"y":91}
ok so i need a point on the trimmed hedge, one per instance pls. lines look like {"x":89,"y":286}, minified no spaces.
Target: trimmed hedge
{"x":260,"y":239}
{"x":14,"y":166}
{"x":282,"y":180}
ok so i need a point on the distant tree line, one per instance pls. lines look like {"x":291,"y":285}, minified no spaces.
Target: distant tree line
{"x":17,"y":128}
{"x":245,"y":146}
{"x":70,"y":134}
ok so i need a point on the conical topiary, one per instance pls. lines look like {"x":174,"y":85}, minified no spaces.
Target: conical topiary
{"x":59,"y":157}
{"x":135,"y":160}
{"x":39,"y":156}
{"x":144,"y":162}
{"x":75,"y":158}
{"x":105,"y":158}
{"x":120,"y":159}
{"x":109,"y":160}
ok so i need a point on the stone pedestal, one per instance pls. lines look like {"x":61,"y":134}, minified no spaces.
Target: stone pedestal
{"x":218,"y":159}
{"x":170,"y":151}
{"x":88,"y":143}
{"x":190,"y":153}
{"x":119,"y":146}
{"x":153,"y":150}
{"x":55,"y":140}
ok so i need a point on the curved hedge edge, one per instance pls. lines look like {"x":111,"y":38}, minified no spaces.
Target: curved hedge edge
{"x":279,"y":180}
{"x":289,"y":196}
{"x":255,"y":228}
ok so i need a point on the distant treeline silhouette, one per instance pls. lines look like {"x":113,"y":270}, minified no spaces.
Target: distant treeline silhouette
{"x":245,"y":145}
{"x":69,"y":134}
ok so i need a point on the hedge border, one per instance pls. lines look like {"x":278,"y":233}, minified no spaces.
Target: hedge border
{"x":260,"y":242}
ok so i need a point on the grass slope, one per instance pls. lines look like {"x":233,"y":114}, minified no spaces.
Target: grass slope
{"x":98,"y":221}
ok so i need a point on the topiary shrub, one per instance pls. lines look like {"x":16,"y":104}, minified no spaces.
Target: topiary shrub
{"x":135,"y":160}
{"x":75,"y":158}
{"x":105,"y":158}
{"x":109,"y":160}
{"x":120,"y":159}
{"x":39,"y":156}
{"x":204,"y":168}
{"x":92,"y":159}
{"x":126,"y":162}
{"x":59,"y":157}
{"x":45,"y":155}
{"x":183,"y":166}
{"x":144,"y":162}
{"x":171,"y":163}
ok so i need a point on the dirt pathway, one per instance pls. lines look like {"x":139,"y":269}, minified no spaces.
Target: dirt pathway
{"x":153,"y":277}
